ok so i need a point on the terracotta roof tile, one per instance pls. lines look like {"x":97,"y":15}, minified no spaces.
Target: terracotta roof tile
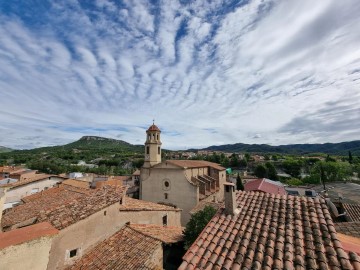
{"x":265,"y":185}
{"x":195,"y":164}
{"x":270,"y":232}
{"x":166,"y":234}
{"x":348,"y":228}
{"x":26,"y":234}
{"x":62,"y":207}
{"x":126,"y":249}
{"x":153,"y":127}
{"x":76,"y":183}
{"x":352,"y":211}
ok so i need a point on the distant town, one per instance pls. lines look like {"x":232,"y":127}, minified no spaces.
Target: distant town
{"x":102,"y":204}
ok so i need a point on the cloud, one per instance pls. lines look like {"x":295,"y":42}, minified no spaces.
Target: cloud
{"x":209,"y":73}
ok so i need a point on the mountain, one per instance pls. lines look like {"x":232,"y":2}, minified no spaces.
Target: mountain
{"x":5,"y":149}
{"x":342,"y":148}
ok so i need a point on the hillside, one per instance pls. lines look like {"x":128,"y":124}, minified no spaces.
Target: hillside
{"x":342,"y":148}
{"x":5,"y":149}
{"x":94,"y":150}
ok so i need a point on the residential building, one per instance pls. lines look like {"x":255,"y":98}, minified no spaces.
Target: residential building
{"x":22,"y":188}
{"x":265,"y":185}
{"x":259,"y":230}
{"x":182,"y":183}
{"x":85,"y":217}
{"x":134,"y":246}
{"x":27,"y":248}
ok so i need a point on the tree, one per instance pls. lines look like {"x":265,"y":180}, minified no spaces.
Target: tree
{"x":292,"y":167}
{"x":260,"y":171}
{"x":197,"y":223}
{"x":234,"y":160}
{"x":271,"y":171}
{"x":239,"y":183}
{"x":350,"y":158}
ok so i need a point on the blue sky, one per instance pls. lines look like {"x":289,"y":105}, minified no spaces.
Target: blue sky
{"x":208,"y":72}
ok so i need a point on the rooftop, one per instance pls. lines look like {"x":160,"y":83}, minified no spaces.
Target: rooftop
{"x":62,"y":207}
{"x":348,"y":228}
{"x":352,"y":211}
{"x":195,"y":164}
{"x":76,"y":183}
{"x":153,"y":127}
{"x":26,"y":234}
{"x":126,"y":249}
{"x":166,"y":234}
{"x":265,"y":185}
{"x":271,"y":232}
{"x":35,"y":178}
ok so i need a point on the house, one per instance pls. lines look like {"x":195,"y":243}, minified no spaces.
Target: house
{"x":135,"y":246}
{"x":35,"y":183}
{"x":265,"y":185}
{"x":5,"y":171}
{"x":27,"y":248}
{"x":84,"y":217}
{"x":182,"y":183}
{"x":23,"y":175}
{"x":259,"y":230}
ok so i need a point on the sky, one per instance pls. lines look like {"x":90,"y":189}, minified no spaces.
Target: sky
{"x":209,"y":72}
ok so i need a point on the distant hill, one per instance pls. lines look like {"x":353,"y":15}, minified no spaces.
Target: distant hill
{"x":91,"y":149}
{"x":5,"y":149}
{"x":342,"y":148}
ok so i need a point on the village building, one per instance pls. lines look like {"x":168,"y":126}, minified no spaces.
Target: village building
{"x":135,"y":246}
{"x":84,"y":217}
{"x":265,"y":185}
{"x":181,"y":183}
{"x":259,"y":230}
{"x":27,"y":248}
{"x":29,"y":185}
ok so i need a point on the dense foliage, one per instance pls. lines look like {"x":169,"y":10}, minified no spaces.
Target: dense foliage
{"x":89,"y":154}
{"x":196,"y":224}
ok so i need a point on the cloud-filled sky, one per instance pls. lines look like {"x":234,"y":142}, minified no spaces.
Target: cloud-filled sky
{"x":208,"y":72}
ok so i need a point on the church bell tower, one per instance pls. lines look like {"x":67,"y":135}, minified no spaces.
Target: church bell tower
{"x":152,"y":146}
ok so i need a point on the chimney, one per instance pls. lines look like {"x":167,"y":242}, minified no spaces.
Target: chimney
{"x":230,"y":199}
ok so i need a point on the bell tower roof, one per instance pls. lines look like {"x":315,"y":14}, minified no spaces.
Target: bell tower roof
{"x":153,"y":127}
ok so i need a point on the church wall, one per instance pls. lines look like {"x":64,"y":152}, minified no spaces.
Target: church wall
{"x":180,"y":192}
{"x":99,"y":226}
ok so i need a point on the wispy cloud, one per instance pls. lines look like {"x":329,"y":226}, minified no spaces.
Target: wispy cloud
{"x":209,"y":73}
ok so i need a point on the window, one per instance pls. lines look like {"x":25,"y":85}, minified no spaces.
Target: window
{"x":158,"y":150}
{"x":164,"y":220}
{"x":167,"y":184}
{"x":73,"y":253}
{"x":157,"y":136}
{"x":147,"y":150}
{"x":104,"y":213}
{"x":166,"y":196}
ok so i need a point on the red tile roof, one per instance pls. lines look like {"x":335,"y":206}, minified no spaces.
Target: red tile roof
{"x":35,"y":178}
{"x":348,"y":228}
{"x":265,"y":185}
{"x":126,"y":249}
{"x":62,"y":207}
{"x":131,"y":204}
{"x":166,"y":234}
{"x":352,"y":211}
{"x":195,"y":164}
{"x":271,"y":232}
{"x":26,"y":234}
{"x":153,"y":127}
{"x":350,"y":244}
{"x":76,"y":183}
{"x":34,"y":204}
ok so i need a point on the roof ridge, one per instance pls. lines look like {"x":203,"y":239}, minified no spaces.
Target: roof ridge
{"x":129,"y":226}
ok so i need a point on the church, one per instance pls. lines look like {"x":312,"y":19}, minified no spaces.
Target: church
{"x":181,"y":183}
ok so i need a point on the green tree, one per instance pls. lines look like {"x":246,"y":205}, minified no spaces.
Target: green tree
{"x":239,"y":183}
{"x":247,"y":157}
{"x":350,"y":158}
{"x":234,"y":160}
{"x":294,"y":182}
{"x":197,"y":223}
{"x":260,"y":171}
{"x":292,"y":167}
{"x":271,"y":171}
